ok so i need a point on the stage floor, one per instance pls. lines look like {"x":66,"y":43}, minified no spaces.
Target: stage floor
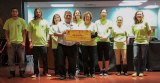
{"x":150,"y":77}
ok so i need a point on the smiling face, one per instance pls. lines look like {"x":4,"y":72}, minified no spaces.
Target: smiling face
{"x":119,"y":21}
{"x":103,"y":14}
{"x":87,"y":17}
{"x":68,"y":17}
{"x":77,"y":14}
{"x":57,"y":19}
{"x":14,"y":13}
{"x":139,"y":15}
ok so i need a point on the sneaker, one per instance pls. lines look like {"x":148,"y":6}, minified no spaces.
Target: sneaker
{"x":48,"y":75}
{"x":118,"y":73}
{"x":105,"y":73}
{"x":134,"y":74}
{"x":71,"y":77}
{"x":62,"y":77}
{"x":101,"y":73}
{"x":77,"y":72}
{"x":141,"y":74}
{"x":22,"y":74}
{"x":34,"y":76}
{"x":86,"y":75}
{"x":126,"y":74}
{"x":93,"y":75}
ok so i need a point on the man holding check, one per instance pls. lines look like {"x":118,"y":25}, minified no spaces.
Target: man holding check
{"x":66,"y":48}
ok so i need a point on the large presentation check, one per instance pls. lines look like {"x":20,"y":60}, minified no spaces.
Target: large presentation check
{"x":78,"y":35}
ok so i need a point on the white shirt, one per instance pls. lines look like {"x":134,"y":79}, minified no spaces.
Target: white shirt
{"x":62,"y":27}
{"x":104,"y":30}
{"x":119,"y":34}
{"x":91,"y":28}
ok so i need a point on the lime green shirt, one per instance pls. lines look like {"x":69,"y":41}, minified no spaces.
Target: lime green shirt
{"x":39,"y":31}
{"x":53,"y":38}
{"x":140,"y":32}
{"x":91,"y":28}
{"x":15,"y":28}
{"x":104,"y":28}
{"x":80,"y":21}
{"x":120,"y":36}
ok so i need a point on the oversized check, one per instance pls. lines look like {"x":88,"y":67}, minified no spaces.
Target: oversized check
{"x":78,"y":35}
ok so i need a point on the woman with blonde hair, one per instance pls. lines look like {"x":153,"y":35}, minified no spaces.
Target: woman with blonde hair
{"x":89,"y":48}
{"x":56,"y":19}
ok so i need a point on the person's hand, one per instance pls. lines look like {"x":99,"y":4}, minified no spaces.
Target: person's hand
{"x":127,"y":42}
{"x":63,"y":33}
{"x":103,"y":39}
{"x":78,"y":43}
{"x":8,"y":44}
{"x":30,"y":45}
{"x":47,"y":45}
{"x":23,"y":44}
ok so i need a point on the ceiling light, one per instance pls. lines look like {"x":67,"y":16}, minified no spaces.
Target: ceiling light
{"x":62,"y":5}
{"x":130,"y":4}
{"x":134,"y":1}
{"x":151,"y":6}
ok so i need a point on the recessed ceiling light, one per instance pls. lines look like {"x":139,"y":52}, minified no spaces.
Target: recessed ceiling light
{"x":62,"y":5}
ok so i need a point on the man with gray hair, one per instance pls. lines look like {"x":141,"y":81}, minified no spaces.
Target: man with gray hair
{"x":67,"y":48}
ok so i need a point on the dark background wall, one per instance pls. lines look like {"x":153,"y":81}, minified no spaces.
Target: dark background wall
{"x":7,"y":5}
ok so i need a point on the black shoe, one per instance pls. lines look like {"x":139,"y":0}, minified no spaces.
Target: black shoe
{"x":12,"y":74}
{"x":62,"y":77}
{"x":93,"y":75}
{"x":126,"y":74}
{"x":71,"y":77}
{"x":125,"y":69}
{"x":118,"y":73}
{"x":101,"y":73}
{"x":22,"y":75}
{"x":44,"y":73}
{"x":105,"y":73}
{"x":86,"y":75}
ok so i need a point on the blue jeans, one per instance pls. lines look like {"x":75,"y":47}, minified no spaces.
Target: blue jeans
{"x":139,"y":59}
{"x":11,"y":56}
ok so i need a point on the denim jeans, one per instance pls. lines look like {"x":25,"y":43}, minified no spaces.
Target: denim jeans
{"x":16,"y":48}
{"x":139,"y":59}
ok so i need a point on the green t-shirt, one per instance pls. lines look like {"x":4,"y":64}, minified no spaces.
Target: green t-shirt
{"x":53,"y":38}
{"x":39,"y":31}
{"x":15,"y":28}
{"x":80,"y":21}
{"x":104,"y":28}
{"x":140,"y":32}
{"x":120,"y":36}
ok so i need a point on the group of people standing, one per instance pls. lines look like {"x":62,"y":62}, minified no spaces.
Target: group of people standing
{"x":40,"y":33}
